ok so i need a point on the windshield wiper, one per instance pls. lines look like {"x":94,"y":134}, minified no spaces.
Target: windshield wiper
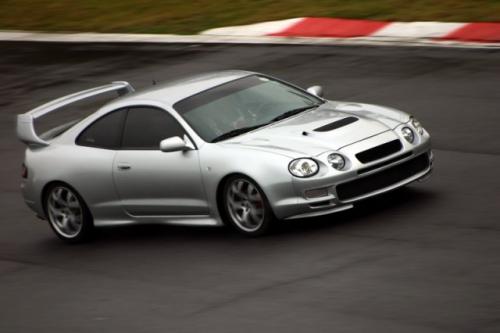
{"x":294,"y":112}
{"x":236,"y":132}
{"x":242,"y":130}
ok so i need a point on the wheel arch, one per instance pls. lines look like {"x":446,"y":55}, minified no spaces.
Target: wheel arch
{"x":52,"y":183}
{"x":220,"y":190}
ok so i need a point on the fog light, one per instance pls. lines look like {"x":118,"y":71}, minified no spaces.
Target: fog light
{"x":316,"y":193}
{"x":408,"y":134}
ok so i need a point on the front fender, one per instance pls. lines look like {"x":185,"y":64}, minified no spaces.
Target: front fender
{"x":268,"y":169}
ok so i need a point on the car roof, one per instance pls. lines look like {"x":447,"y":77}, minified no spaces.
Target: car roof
{"x":174,"y":91}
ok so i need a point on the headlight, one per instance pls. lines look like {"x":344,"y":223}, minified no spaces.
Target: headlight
{"x":337,"y":161}
{"x":417,"y":125}
{"x":408,"y":134}
{"x":303,"y":167}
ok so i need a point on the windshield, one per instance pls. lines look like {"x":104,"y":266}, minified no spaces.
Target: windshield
{"x":242,"y":104}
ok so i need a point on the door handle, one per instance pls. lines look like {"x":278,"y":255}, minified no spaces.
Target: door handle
{"x":123,"y":166}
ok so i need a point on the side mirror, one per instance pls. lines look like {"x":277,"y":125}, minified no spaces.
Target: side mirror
{"x":316,"y":91}
{"x":174,"y":143}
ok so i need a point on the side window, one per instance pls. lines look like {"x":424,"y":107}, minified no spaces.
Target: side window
{"x":105,"y":132}
{"x":145,"y":127}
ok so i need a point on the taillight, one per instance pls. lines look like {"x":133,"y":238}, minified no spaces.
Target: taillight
{"x":24,"y":173}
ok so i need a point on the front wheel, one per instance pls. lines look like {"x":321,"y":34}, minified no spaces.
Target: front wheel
{"x":67,"y":213}
{"x":246,"y":207}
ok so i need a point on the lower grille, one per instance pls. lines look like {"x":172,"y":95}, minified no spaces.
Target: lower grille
{"x":382,"y":179}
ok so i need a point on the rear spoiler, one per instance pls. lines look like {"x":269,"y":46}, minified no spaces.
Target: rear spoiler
{"x":25,"y":122}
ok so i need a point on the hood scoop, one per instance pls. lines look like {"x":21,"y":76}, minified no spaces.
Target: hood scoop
{"x":336,"y":124}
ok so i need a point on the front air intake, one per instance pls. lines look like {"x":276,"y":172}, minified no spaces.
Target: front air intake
{"x":379,"y":152}
{"x":383,"y":179}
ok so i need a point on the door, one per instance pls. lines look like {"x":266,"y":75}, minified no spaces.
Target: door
{"x":93,"y":161}
{"x":150,"y":182}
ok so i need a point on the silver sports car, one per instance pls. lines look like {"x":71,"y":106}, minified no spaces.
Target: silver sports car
{"x":231,"y":147}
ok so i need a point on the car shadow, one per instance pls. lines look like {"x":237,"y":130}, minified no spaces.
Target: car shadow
{"x":400,"y":202}
{"x":367,"y":212}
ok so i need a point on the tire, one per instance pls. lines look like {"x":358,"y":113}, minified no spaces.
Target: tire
{"x":245,"y":206}
{"x":67,"y":214}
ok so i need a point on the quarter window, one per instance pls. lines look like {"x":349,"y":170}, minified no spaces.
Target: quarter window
{"x":105,"y":132}
{"x":145,"y":127}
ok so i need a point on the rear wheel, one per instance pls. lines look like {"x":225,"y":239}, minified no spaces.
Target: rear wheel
{"x":246,"y":207}
{"x":68,"y":214}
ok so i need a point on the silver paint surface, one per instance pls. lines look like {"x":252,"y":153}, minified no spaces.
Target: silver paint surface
{"x":181,"y":187}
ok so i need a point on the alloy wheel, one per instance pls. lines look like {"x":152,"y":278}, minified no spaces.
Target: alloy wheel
{"x":65,"y":211}
{"x":245,"y":205}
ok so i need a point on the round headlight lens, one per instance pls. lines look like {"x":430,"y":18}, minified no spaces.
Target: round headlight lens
{"x":303,"y":167}
{"x":408,"y":134}
{"x":417,"y":125}
{"x":337,"y":161}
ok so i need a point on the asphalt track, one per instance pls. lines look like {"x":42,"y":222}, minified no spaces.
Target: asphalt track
{"x":422,"y":259}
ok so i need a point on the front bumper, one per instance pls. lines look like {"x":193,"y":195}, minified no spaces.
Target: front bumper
{"x":334,"y":202}
{"x":339,"y":190}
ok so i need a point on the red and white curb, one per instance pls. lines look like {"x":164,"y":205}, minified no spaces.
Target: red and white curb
{"x":303,"y":31}
{"x":348,"y":28}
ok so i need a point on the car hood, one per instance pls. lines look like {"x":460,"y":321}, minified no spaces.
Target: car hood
{"x":299,"y":135}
